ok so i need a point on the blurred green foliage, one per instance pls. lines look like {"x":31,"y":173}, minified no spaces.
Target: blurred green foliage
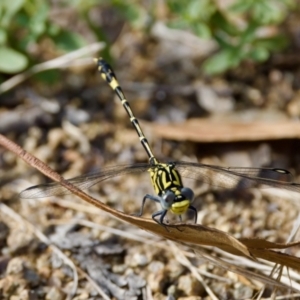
{"x":236,"y":28}
{"x":23,"y":23}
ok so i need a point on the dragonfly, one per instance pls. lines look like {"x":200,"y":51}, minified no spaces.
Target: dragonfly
{"x":166,"y":177}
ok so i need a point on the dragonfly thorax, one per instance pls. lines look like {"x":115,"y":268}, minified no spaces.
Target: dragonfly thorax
{"x":165,"y":177}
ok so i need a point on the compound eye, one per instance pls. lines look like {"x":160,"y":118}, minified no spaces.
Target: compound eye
{"x":167,"y":199}
{"x":187,"y":193}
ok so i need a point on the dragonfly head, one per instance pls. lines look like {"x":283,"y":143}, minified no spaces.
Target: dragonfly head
{"x":179,"y":201}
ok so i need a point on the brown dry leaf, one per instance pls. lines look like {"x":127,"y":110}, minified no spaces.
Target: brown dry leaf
{"x":208,"y":130}
{"x":255,"y":243}
{"x":205,"y":236}
{"x":190,"y":233}
{"x":277,"y":257}
{"x":186,"y":233}
{"x":260,"y":248}
{"x":241,"y":270}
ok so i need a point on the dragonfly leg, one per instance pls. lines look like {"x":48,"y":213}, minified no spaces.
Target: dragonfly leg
{"x":162,"y":213}
{"x":150,"y":197}
{"x":195,"y":212}
{"x":180,"y":219}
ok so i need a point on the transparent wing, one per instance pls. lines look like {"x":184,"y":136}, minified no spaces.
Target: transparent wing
{"x":228,"y":178}
{"x":82,"y":182}
{"x":236,"y":177}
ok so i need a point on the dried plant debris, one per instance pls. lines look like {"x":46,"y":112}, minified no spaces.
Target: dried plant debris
{"x":211,"y":130}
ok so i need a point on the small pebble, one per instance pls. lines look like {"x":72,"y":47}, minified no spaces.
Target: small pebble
{"x":189,"y":285}
{"x":55,"y":294}
{"x":15,"y":266}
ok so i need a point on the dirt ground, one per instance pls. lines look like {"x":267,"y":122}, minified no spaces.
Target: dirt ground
{"x":63,"y":248}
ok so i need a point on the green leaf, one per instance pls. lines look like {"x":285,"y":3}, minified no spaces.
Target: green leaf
{"x":69,"y":41}
{"x":259,"y":54}
{"x":176,"y":6}
{"x":268,"y":12}
{"x":38,"y":21}
{"x":49,"y":77}
{"x":8,"y":8}
{"x":3,"y":36}
{"x":249,"y":34}
{"x":53,"y":29}
{"x":202,"y":30}
{"x":12,"y":61}
{"x":194,"y":9}
{"x":273,"y":44}
{"x":21,"y":20}
{"x":221,"y":62}
{"x":178,"y":24}
{"x":220,"y":23}
{"x":224,"y":40}
{"x":132,"y":13}
{"x":206,"y":9}
{"x":241,"y":6}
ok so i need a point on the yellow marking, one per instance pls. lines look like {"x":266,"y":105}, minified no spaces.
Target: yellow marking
{"x":165,"y":183}
{"x":175,"y":174}
{"x":167,"y":168}
{"x":163,"y":178}
{"x":114,"y":83}
{"x":181,"y":207}
{"x":156,"y":187}
{"x":176,"y":192}
{"x":158,"y":183}
{"x":153,"y":176}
